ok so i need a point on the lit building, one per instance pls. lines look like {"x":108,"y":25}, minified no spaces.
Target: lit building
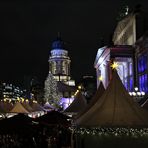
{"x":130,"y":51}
{"x":122,"y":55}
{"x":141,"y":56}
{"x":59,"y":62}
{"x":132,"y":31}
{"x":12,"y":92}
{"x":59,"y":66}
{"x":131,"y":28}
{"x":125,"y":32}
{"x":37,"y":91}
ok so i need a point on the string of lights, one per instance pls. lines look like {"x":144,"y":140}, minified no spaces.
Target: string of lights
{"x":117,"y":132}
{"x":136,"y":94}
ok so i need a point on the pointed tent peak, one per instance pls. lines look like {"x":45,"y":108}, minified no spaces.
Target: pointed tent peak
{"x":94,"y":99}
{"x":98,"y":94}
{"x":114,"y":108}
{"x":78,"y":104}
{"x":27,"y":106}
{"x":19,"y":108}
{"x":37,"y":107}
{"x":48,"y":106}
{"x":116,"y":77}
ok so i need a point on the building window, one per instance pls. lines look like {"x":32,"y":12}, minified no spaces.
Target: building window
{"x":142,"y":63}
{"x":143,"y":72}
{"x":130,"y":83}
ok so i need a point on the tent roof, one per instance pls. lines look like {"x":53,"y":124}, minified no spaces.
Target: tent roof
{"x":145,"y":104}
{"x":19,"y":108}
{"x":78,"y":104}
{"x":47,"y":106}
{"x":94,"y":99}
{"x":18,"y":122}
{"x":5,"y":107}
{"x":53,"y":117}
{"x":114,"y":108}
{"x":27,"y":106}
{"x":64,"y":87}
{"x":37,"y":107}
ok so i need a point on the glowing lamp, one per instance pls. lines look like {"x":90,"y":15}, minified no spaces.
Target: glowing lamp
{"x":130,"y":93}
{"x":136,"y":88}
{"x":143,"y":93}
{"x":100,"y":78}
{"x":139,"y":93}
{"x":134,"y":94}
{"x":79,"y":87}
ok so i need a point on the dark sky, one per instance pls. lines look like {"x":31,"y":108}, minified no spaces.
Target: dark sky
{"x":28,"y":28}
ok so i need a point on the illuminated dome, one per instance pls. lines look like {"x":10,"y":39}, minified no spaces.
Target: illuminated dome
{"x":58,"y":44}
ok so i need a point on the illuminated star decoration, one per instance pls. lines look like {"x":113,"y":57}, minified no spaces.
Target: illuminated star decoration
{"x":100,"y":78}
{"x":114,"y":65}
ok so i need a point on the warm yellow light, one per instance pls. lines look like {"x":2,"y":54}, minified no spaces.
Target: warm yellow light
{"x":100,"y":78}
{"x":79,"y":87}
{"x":34,"y":101}
{"x":76,"y":92}
{"x":114,"y":65}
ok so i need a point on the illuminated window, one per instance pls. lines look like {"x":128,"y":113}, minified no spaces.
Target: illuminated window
{"x":131,"y":84}
{"x":142,"y":63}
{"x":143,"y":72}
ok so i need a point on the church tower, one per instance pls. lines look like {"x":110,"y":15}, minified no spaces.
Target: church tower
{"x":59,"y":61}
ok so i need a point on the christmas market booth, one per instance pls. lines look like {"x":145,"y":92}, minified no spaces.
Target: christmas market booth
{"x":18,"y":131}
{"x":114,"y":120}
{"x":55,"y":126}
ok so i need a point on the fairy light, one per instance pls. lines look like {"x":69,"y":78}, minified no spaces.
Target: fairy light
{"x":117,"y":132}
{"x":100,"y":78}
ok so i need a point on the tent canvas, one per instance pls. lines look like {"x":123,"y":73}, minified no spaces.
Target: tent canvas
{"x":114,"y":108}
{"x":19,"y":108}
{"x":37,"y":107}
{"x":77,"y":105}
{"x":94,"y":99}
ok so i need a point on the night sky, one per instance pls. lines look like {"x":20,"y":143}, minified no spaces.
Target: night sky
{"x":28,"y":28}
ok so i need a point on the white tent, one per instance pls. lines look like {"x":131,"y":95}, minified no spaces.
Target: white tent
{"x":77,"y":105}
{"x":94,"y":99}
{"x":19,"y":108}
{"x":114,"y":108}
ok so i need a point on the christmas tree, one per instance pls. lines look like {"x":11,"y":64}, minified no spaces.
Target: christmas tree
{"x":51,"y":93}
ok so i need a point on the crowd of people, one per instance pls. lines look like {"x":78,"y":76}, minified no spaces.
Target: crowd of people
{"x":34,"y":135}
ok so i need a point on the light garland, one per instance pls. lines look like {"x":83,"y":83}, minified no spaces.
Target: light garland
{"x":117,"y":132}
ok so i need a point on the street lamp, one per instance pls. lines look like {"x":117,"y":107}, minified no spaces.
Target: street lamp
{"x":137,"y":95}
